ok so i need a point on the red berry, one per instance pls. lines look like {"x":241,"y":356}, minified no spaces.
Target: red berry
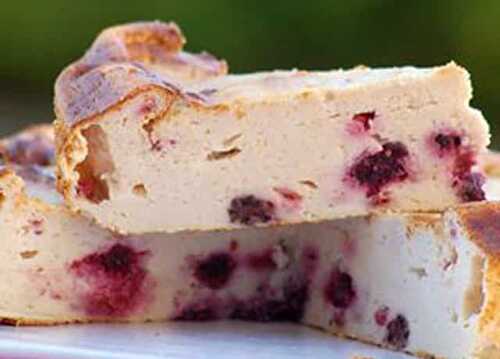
{"x":216,"y":270}
{"x":377,"y":170}
{"x":340,"y":290}
{"x":398,"y":332}
{"x":115,"y":281}
{"x":365,"y":119}
{"x":250,"y":210}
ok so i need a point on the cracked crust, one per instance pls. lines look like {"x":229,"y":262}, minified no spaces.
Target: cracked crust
{"x":125,"y":62}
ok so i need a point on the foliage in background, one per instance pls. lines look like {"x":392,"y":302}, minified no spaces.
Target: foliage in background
{"x":38,"y":38}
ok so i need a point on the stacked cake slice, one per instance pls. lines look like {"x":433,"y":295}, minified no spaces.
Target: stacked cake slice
{"x":268,"y":148}
{"x":423,"y":283}
{"x":334,"y":199}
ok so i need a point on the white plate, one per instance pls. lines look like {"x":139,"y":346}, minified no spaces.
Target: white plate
{"x":215,"y":340}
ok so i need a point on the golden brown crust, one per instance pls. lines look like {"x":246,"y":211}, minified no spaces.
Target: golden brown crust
{"x":124,"y":61}
{"x":481,"y":221}
{"x":19,"y":322}
{"x":481,"y":224}
{"x":490,"y":317}
{"x":417,"y":222}
{"x":489,"y":321}
{"x":25,"y":322}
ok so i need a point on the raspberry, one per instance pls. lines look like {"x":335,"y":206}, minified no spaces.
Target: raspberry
{"x":365,"y":119}
{"x":447,"y":142}
{"x":381,"y":315}
{"x":290,"y":308}
{"x":263,"y":260}
{"x":340,"y":290}
{"x":470,"y":187}
{"x":379,"y":169}
{"x":398,"y":332}
{"x":216,"y":270}
{"x":115,"y":280}
{"x":250,"y":210}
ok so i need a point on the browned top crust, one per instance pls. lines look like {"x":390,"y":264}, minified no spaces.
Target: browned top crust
{"x":125,"y":60}
{"x":32,"y":146}
{"x":482,"y":223}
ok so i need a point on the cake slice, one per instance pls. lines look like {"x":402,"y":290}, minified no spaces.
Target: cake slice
{"x":426,"y":284}
{"x":143,"y":151}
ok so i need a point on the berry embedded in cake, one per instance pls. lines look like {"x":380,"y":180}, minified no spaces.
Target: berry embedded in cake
{"x":225,"y":151}
{"x":337,"y":200}
{"x":420,"y":283}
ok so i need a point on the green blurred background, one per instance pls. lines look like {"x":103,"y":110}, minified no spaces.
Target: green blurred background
{"x":38,"y":38}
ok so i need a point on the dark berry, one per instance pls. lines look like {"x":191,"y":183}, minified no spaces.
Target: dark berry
{"x":339,"y":290}
{"x":381,"y":168}
{"x":381,"y":315}
{"x":447,"y":142}
{"x":233,"y":245}
{"x":398,"y":332}
{"x":262,"y":260}
{"x":365,"y":119}
{"x":115,"y":280}
{"x":215,"y":271}
{"x":118,"y":259}
{"x":250,"y":210}
{"x":470,"y":187}
{"x":290,"y":308}
{"x":463,"y":163}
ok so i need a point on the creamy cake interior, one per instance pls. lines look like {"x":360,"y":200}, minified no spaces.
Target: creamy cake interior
{"x":142,"y":151}
{"x":421,"y":283}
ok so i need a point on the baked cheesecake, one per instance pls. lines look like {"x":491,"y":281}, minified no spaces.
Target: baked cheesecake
{"x":426,"y":284}
{"x":141,"y":150}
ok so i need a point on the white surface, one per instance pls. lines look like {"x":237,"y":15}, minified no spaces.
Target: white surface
{"x":219,"y":340}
